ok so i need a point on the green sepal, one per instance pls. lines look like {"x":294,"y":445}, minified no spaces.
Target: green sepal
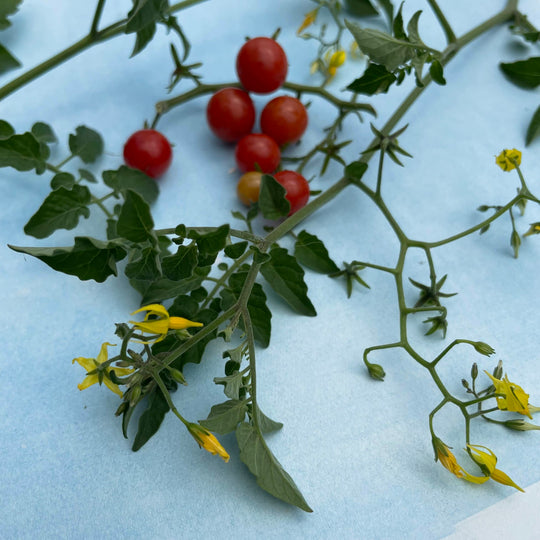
{"x":311,"y":252}
{"x":224,"y":417}
{"x":125,"y":178}
{"x":151,"y":418}
{"x":86,"y":143}
{"x":87,"y":259}
{"x":135,"y":220}
{"x":272,"y":201}
{"x":61,"y":209}
{"x":286,"y":277}
{"x":269,"y":473}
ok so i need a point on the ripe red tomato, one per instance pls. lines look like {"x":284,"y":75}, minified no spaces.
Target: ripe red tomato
{"x":230,"y":114}
{"x":248,"y":187}
{"x":261,"y":65}
{"x":284,"y":119}
{"x":148,"y":151}
{"x":296,"y":187}
{"x":257,"y":151}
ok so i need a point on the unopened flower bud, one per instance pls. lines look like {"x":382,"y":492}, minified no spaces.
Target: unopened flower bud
{"x":135,"y":395}
{"x":474,"y":371}
{"x":376,"y":371}
{"x":498,"y":371}
{"x":177,"y":375}
{"x":483,"y":348}
{"x":521,"y":425}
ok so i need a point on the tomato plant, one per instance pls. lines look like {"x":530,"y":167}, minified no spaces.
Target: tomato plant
{"x":261,"y":65}
{"x":148,"y":151}
{"x":248,"y":187}
{"x":296,"y":187}
{"x":230,"y":114}
{"x":257,"y":152}
{"x":284,"y":119}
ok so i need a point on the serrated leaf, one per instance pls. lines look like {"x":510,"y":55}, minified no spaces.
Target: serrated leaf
{"x":286,"y":277}
{"x":62,"y":179}
{"x":437,"y":73}
{"x":534,"y":128}
{"x":311,"y":252}
{"x":150,"y":419}
{"x":7,"y":60}
{"x":181,"y":264}
{"x":210,"y":244}
{"x":269,"y":473}
{"x":87,"y":259}
{"x":61,"y":209}
{"x":6,"y":130}
{"x":224,"y":418}
{"x":375,"y":80}
{"x":135,"y":220}
{"x":272,"y":201}
{"x":266,"y":424}
{"x":524,"y":73}
{"x":146,"y":265}
{"x":86,"y":144}
{"x":125,"y":178}
{"x":259,"y":313}
{"x":22,"y":152}
{"x":7,"y":8}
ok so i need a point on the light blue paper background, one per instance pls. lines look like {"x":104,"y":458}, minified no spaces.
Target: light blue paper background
{"x":360,"y":451}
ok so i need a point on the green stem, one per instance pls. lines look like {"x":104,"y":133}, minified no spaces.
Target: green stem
{"x":107,"y":33}
{"x":252,"y":367}
{"x":449,"y":33}
{"x":167,"y":396}
{"x":97,"y":17}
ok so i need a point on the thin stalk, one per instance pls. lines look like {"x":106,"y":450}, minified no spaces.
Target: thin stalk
{"x":97,"y":17}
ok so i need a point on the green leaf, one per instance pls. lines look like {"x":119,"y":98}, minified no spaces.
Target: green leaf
{"x":151,"y":419}
{"x":135,"y":220}
{"x":61,"y":209}
{"x":145,"y":265}
{"x":360,"y":8}
{"x":311,"y":252}
{"x":232,"y":384}
{"x":43,"y":132}
{"x":286,"y":277}
{"x":7,"y":60}
{"x":259,"y":313}
{"x":6,"y":130}
{"x":397,"y":26}
{"x":266,"y":424}
{"x":375,"y":80}
{"x":142,"y":20}
{"x":382,"y":48}
{"x":163,"y":289}
{"x":63,"y":179}
{"x":7,"y":8}
{"x":388,"y":8}
{"x":437,"y":73}
{"x":224,"y":418}
{"x":412,"y":28}
{"x":22,"y":152}
{"x":87,"y":259}
{"x":181,"y":264}
{"x":272,"y":201}
{"x":88,"y":176}
{"x":534,"y":128}
{"x":235,"y":250}
{"x":210,"y":244}
{"x":125,"y":178}
{"x":524,"y":73}
{"x":86,"y":143}
{"x":269,"y":473}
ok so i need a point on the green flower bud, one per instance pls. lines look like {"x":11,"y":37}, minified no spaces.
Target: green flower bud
{"x":134,"y":395}
{"x":376,"y":371}
{"x":474,"y":371}
{"x":483,"y":348}
{"x":521,"y":425}
{"x":177,"y":375}
{"x":498,"y":371}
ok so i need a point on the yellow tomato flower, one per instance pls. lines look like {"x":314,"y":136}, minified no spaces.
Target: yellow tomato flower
{"x":92,"y":366}
{"x":487,"y":462}
{"x":161,"y":322}
{"x":308,"y":20}
{"x":449,"y":461}
{"x":206,"y":440}
{"x":513,"y":397}
{"x":508,"y":159}
{"x":335,"y":60}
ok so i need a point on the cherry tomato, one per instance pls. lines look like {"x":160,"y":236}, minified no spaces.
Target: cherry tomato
{"x":296,"y":187}
{"x":257,"y":151}
{"x":261,"y":65}
{"x":148,"y":151}
{"x":230,"y":114}
{"x":248,"y":187}
{"x":284,"y":119}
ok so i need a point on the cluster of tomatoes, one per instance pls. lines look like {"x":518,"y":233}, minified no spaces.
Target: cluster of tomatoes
{"x":261,"y":66}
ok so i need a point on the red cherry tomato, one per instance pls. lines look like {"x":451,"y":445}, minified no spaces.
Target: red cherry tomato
{"x":148,"y":151}
{"x":248,"y":187}
{"x":257,"y":151}
{"x":284,"y":119}
{"x":261,"y":65}
{"x":296,"y":187}
{"x":230,"y":114}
